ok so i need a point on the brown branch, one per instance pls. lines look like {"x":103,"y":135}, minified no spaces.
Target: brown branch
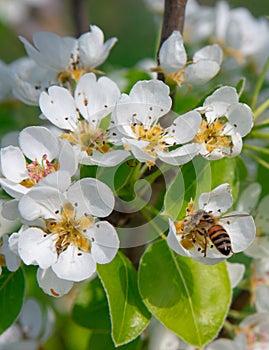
{"x":79,"y":12}
{"x":173,"y":19}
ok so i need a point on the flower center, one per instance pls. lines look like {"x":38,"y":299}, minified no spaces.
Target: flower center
{"x":89,"y":138}
{"x":212,"y":136}
{"x":37,"y":171}
{"x":70,"y":230}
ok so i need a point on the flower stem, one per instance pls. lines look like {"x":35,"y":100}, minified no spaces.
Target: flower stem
{"x":260,"y":110}
{"x":257,"y":148}
{"x":259,"y":84}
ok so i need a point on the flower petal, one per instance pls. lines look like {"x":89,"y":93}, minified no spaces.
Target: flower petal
{"x":185,"y":127}
{"x":181,"y":155}
{"x":36,"y":141}
{"x":218,"y":102}
{"x":172,"y":53}
{"x":96,"y":98}
{"x":51,"y":284}
{"x":148,"y":101}
{"x":92,"y":49}
{"x":106,"y":242}
{"x":13,"y":164}
{"x":236,"y":272}
{"x":240,"y":116}
{"x":91,"y":196}
{"x":217,"y":201}
{"x":41,"y":202}
{"x":241,"y":229}
{"x":35,"y":247}
{"x":108,"y":159}
{"x":59,"y":107}
{"x":74,"y":265}
{"x":201,"y":72}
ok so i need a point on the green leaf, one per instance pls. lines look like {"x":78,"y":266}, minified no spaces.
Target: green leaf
{"x":91,"y":307}
{"x":189,"y":298}
{"x":103,"y":341}
{"x":225,"y":171}
{"x":129,"y":316}
{"x":190,"y":181}
{"x":11,"y":296}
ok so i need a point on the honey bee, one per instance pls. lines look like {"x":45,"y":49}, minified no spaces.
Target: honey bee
{"x":203,"y":229}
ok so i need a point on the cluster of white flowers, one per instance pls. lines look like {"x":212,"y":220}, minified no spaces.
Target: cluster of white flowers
{"x":61,"y":231}
{"x":235,"y":30}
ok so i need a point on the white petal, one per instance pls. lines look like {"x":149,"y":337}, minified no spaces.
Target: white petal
{"x":36,"y":141}
{"x":148,"y":101}
{"x":248,"y":200}
{"x":91,"y":196}
{"x":67,"y":157}
{"x":262,"y":300}
{"x":173,"y":242}
{"x":13,"y":189}
{"x":59,"y":107}
{"x":59,"y":180}
{"x":217,"y":201}
{"x":92,"y":50}
{"x":240,"y":116}
{"x":201,"y":71}
{"x":37,"y":248}
{"x":181,"y":155}
{"x":185,"y":127}
{"x":241,"y":229}
{"x":96,"y":99}
{"x":259,"y":248}
{"x":74,"y":265}
{"x":51,"y":50}
{"x":41,"y":202}
{"x":31,"y":318}
{"x":262,"y":216}
{"x":51,"y":284}
{"x":106,"y":242}
{"x":236,"y":272}
{"x":108,"y":159}
{"x":219,"y":101}
{"x":172,"y":54}
{"x":9,"y":217}
{"x":210,"y":52}
{"x":13,"y":164}
{"x":12,"y":260}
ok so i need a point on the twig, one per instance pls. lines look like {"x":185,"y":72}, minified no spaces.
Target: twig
{"x":79,"y":12}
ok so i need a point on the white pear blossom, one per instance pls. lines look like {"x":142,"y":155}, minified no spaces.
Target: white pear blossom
{"x":65,"y":235}
{"x":137,"y":118}
{"x":40,"y":154}
{"x":173,"y":61}
{"x":249,"y":201}
{"x":28,"y":80}
{"x":69,"y":57}
{"x":252,"y":334}
{"x":260,"y":284}
{"x":209,"y":234}
{"x":226,"y":122}
{"x":240,"y":33}
{"x":32,"y":328}
{"x":83,"y":116}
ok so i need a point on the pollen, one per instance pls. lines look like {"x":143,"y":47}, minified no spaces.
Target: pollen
{"x":212,"y":136}
{"x":155,"y":135}
{"x":70,"y":230}
{"x":39,"y":170}
{"x":89,"y":138}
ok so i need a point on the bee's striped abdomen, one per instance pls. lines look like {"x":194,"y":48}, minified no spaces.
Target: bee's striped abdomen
{"x":220,"y":239}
